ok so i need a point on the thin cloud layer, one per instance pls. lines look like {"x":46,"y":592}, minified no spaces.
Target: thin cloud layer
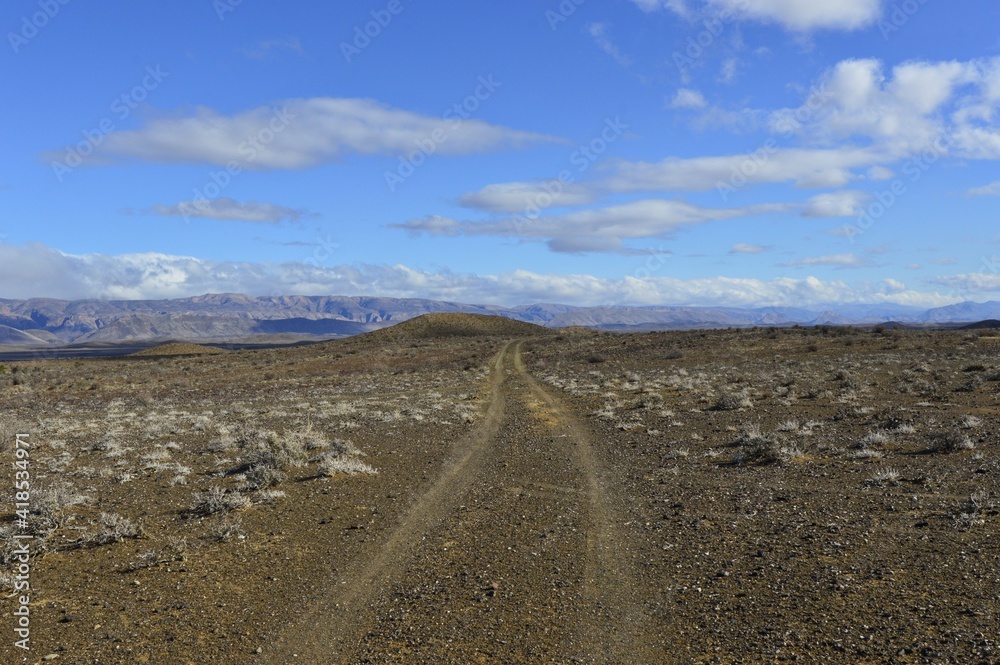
{"x":595,"y":230}
{"x":301,"y":133}
{"x":229,"y":210}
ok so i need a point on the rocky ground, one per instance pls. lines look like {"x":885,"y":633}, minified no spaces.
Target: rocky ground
{"x":810,"y":495}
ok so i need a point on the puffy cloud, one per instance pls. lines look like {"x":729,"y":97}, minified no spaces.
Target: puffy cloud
{"x":226,"y":209}
{"x":300,"y":133}
{"x":35,"y":270}
{"x":835,"y":204}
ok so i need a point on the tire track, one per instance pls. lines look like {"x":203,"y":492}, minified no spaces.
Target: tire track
{"x":332,"y":630}
{"x":614,"y":619}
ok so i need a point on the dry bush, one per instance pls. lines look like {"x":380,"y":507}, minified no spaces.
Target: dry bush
{"x":331,"y":465}
{"x":950,"y":441}
{"x":217,"y":500}
{"x":114,"y":529}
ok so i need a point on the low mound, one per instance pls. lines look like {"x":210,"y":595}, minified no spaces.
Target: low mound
{"x":461,"y":325}
{"x":989,"y":324}
{"x":180,"y":349}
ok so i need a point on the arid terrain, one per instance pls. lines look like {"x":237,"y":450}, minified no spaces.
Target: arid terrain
{"x":464,"y":489}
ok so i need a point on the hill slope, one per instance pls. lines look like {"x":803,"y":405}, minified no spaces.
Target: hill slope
{"x":461,"y":325}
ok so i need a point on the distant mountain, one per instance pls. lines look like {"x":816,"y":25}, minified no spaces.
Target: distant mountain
{"x":228,"y":316}
{"x":965,"y":312}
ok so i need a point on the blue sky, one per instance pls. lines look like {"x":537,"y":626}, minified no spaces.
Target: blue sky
{"x":672,"y":152}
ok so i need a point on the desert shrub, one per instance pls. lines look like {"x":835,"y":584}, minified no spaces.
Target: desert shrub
{"x":228,"y":528}
{"x":885,"y":475}
{"x":732,"y":402}
{"x":217,"y":500}
{"x":262,"y":476}
{"x":873,"y":439}
{"x":114,"y":529}
{"x":950,"y":441}
{"x":673,"y":354}
{"x":974,"y":511}
{"x":175,"y":550}
{"x":596,"y":358}
{"x":50,"y":502}
{"x":760,"y":449}
{"x":266,"y":448}
{"x":331,"y":465}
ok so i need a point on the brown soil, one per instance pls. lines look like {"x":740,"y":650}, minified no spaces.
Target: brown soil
{"x":180,"y":349}
{"x":818,"y":496}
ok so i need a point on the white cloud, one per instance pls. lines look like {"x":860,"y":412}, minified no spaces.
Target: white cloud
{"x":743,"y":248}
{"x":730,"y":68}
{"x":812,"y":168}
{"x":596,"y":230}
{"x":688,"y":99}
{"x":226,"y":209}
{"x":525,"y":197}
{"x":300,"y":133}
{"x":974,"y":283}
{"x":599,"y":31}
{"x":992,"y":189}
{"x":806,"y":15}
{"x":795,"y":15}
{"x":836,"y":204}
{"x":35,"y":271}
{"x":834,"y":260}
{"x":679,"y":7}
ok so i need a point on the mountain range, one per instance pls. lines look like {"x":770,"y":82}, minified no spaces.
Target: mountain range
{"x":237,"y":317}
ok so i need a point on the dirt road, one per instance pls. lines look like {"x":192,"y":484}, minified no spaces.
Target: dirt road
{"x":515,"y":553}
